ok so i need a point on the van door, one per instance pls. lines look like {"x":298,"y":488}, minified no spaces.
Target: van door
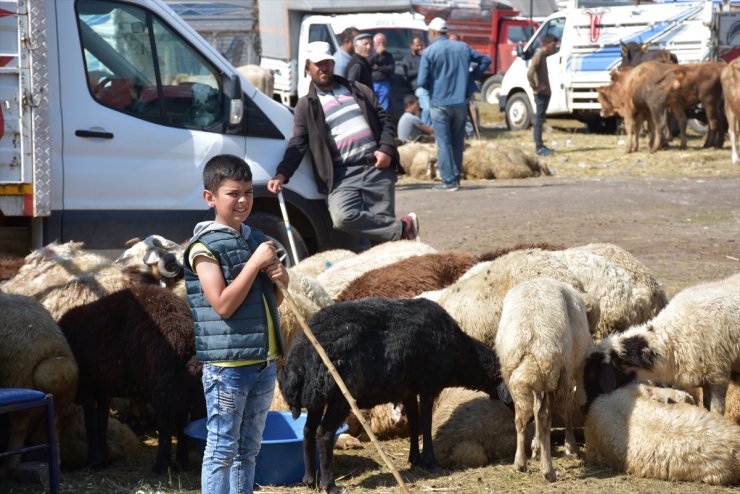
{"x":142,"y":111}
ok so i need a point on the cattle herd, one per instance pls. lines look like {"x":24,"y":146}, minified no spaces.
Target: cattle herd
{"x":651,"y":87}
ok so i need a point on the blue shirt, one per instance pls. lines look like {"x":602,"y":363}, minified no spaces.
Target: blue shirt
{"x":445,"y":70}
{"x":341,"y":59}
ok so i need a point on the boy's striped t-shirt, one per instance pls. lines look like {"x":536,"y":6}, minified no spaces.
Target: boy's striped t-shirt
{"x":347,"y":125}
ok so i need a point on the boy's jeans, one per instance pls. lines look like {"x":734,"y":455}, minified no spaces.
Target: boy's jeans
{"x":541,"y":101}
{"x":237,"y":401}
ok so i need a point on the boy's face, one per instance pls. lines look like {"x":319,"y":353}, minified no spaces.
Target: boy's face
{"x":413,"y":107}
{"x":232,"y":202}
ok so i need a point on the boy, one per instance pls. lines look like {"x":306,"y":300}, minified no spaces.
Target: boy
{"x":539,"y":80}
{"x":229,"y":276}
{"x":410,"y":126}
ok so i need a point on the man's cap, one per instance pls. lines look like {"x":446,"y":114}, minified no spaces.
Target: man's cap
{"x":438,"y":24}
{"x":318,"y":51}
{"x":362,"y":36}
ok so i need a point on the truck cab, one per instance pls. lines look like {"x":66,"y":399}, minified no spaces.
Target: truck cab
{"x":111,"y":110}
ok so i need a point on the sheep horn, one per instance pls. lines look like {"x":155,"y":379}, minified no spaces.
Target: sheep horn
{"x":168,"y":266}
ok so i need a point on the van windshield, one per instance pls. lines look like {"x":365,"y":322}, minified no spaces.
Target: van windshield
{"x":398,"y":41}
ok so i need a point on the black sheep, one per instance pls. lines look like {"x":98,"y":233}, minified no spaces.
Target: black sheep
{"x":386,"y":351}
{"x":136,"y":343}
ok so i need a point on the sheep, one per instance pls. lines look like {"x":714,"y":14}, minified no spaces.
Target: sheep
{"x":261,"y":78}
{"x":321,"y":261}
{"x":489,"y":161}
{"x":136,"y":343}
{"x":336,"y":278}
{"x":409,"y":277}
{"x":161,"y":258}
{"x":475,"y":302}
{"x":34,"y":354}
{"x":418,"y":159}
{"x":471,"y":430}
{"x":694,"y":341}
{"x":387,"y":351}
{"x":653,"y":433}
{"x":541,"y":342}
{"x":621,"y":301}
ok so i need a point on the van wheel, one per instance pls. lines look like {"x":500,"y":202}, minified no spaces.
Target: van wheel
{"x":491,"y":89}
{"x":697,"y":126}
{"x":518,"y":112}
{"x":274,"y":227}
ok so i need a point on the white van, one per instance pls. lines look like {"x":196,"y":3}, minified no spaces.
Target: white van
{"x":110,"y":111}
{"x":590,"y":49}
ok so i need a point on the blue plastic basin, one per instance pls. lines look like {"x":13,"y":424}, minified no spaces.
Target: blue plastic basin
{"x":280,"y":460}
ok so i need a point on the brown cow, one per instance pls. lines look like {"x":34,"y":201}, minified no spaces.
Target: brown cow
{"x":641,"y":93}
{"x":700,"y":83}
{"x":730,"y":80}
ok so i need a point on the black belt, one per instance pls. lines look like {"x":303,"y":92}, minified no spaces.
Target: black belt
{"x":367,"y":161}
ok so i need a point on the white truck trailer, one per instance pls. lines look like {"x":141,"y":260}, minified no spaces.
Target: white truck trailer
{"x":110,"y":110}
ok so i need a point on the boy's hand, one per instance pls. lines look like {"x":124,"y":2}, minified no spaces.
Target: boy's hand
{"x":276,"y":271}
{"x":265,"y":255}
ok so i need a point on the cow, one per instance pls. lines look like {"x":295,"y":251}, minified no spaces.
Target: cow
{"x":700,"y":83}
{"x":638,"y":94}
{"x":730,"y":80}
{"x":633,"y":54}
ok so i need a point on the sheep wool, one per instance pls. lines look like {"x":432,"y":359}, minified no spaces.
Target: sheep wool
{"x":694,"y":341}
{"x":633,"y":432}
{"x":542,"y":342}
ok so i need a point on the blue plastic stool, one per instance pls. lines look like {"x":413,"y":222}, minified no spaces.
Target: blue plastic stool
{"x":15,"y":399}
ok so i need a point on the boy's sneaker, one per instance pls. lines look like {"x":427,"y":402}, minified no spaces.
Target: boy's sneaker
{"x":410,"y":227}
{"x":544,"y":151}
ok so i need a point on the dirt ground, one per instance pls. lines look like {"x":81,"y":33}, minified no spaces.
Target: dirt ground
{"x":676,"y":211}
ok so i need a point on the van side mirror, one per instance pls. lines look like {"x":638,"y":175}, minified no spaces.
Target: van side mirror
{"x":519,"y":50}
{"x":234,"y":104}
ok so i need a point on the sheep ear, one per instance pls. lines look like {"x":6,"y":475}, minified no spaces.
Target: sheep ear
{"x":607,"y":379}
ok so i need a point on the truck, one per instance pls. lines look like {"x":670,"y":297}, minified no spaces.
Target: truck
{"x":110,"y":110}
{"x":287,"y":27}
{"x":590,"y":48}
{"x":491,"y":28}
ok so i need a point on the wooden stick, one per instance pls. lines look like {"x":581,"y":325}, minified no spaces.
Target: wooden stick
{"x":340,"y":383}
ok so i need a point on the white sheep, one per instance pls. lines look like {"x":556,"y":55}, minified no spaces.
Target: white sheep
{"x":694,"y":341}
{"x":34,"y":354}
{"x":622,"y":301}
{"x":541,"y":342}
{"x":475,"y":301}
{"x":158,"y":256}
{"x":336,"y":278}
{"x":469,"y":429}
{"x":321,"y":261}
{"x":654,"y":433}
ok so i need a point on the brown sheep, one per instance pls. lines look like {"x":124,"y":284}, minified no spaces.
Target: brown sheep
{"x":136,"y":343}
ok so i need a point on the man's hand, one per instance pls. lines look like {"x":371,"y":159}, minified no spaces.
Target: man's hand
{"x":382,"y":160}
{"x":275,"y":184}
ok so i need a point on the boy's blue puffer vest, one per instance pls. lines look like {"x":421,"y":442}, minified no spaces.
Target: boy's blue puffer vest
{"x":243,"y":336}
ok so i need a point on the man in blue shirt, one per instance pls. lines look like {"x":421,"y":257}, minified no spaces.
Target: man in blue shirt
{"x":444,"y":72}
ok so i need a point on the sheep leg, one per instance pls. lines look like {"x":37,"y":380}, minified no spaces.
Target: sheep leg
{"x":412,"y":415}
{"x":313,"y":419}
{"x":543,"y":418}
{"x":164,"y":443}
{"x":714,"y":397}
{"x":327,"y":430}
{"x":181,"y":455}
{"x":19,"y":428}
{"x":96,"y":425}
{"x":571,"y":446}
{"x":522,"y":412}
{"x":429,"y":460}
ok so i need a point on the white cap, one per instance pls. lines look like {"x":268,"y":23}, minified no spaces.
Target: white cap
{"x":318,"y":51}
{"x":438,"y":24}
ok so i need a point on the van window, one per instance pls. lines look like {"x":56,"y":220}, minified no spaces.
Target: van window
{"x":398,"y":40}
{"x":137,"y":65}
{"x":320,"y":32}
{"x":553,"y":27}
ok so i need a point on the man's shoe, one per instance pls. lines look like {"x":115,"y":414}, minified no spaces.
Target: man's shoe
{"x":446,"y":186}
{"x":410,"y":227}
{"x":544,"y":151}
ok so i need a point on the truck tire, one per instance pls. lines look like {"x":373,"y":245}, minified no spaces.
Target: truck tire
{"x":697,"y":126}
{"x":518,"y":112}
{"x":491,"y":89}
{"x":274,"y":227}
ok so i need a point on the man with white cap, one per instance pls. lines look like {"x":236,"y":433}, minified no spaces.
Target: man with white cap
{"x":444,"y":72}
{"x":358,"y":67}
{"x":355,"y":161}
